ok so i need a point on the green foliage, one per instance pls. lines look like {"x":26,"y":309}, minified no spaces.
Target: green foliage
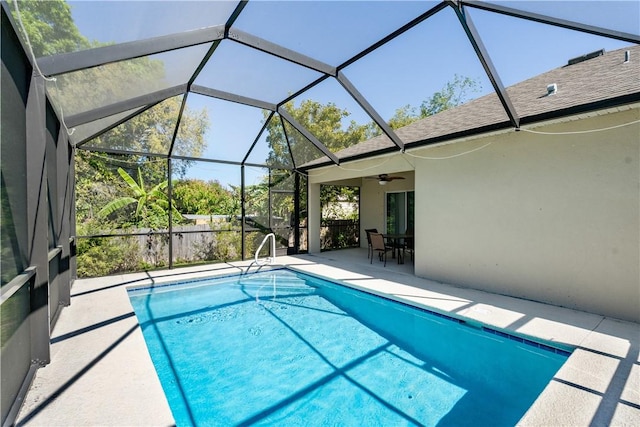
{"x":155,"y":250}
{"x":323,"y":121}
{"x":151,"y":205}
{"x":50,"y":27}
{"x":109,"y":197}
{"x":190,"y":140}
{"x":452,"y":94}
{"x":14,"y":315}
{"x":97,"y":180}
{"x":252,"y":241}
{"x":403,"y":116}
{"x":340,"y":216}
{"x":152,"y":131}
{"x":222,"y":246}
{"x":96,"y":185}
{"x":257,"y":198}
{"x":339,"y":234}
{"x":51,"y":30}
{"x":100,"y":256}
{"x":331,"y":196}
{"x":104,"y":256}
{"x":194,"y":196}
{"x":95,"y":87}
{"x":455,"y":92}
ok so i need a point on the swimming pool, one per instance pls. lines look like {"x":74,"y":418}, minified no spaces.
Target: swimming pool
{"x":285,"y":348}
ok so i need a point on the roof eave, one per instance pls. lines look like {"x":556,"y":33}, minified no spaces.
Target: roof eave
{"x":479,"y":131}
{"x":602,"y":104}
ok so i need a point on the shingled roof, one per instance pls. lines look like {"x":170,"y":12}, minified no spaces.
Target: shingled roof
{"x":604,"y":80}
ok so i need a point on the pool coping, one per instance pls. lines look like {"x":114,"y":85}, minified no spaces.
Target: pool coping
{"x":101,"y":373}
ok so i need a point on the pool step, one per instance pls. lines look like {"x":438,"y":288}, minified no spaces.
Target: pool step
{"x":281,"y":282}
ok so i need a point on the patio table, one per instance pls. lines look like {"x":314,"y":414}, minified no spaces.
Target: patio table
{"x":394,"y":240}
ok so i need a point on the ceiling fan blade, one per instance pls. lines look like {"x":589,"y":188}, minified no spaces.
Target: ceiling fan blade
{"x":383,"y":177}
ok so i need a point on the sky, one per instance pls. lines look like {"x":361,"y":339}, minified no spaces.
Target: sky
{"x":406,"y":70}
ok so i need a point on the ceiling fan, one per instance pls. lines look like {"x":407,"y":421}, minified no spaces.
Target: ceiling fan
{"x":383,"y":178}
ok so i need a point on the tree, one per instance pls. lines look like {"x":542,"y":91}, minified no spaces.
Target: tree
{"x":323,"y":121}
{"x":257,"y":198}
{"x":403,"y":117}
{"x":51,"y":30}
{"x":452,"y":94}
{"x":151,"y":206}
{"x":50,"y":27}
{"x":195,"y":196}
{"x":97,"y":179}
{"x":151,"y":132}
{"x":332,"y":194}
{"x":455,"y":92}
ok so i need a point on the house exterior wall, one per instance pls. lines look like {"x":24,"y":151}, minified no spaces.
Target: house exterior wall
{"x":551,"y":218}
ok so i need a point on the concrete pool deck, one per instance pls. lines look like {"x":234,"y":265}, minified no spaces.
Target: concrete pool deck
{"x":101,"y":373}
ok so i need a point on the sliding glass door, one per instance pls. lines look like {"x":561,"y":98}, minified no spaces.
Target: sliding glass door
{"x":400,"y":211}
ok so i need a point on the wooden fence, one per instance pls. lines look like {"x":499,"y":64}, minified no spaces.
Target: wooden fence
{"x":339,"y":234}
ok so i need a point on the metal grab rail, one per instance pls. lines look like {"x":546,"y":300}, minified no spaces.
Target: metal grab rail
{"x":272,"y":258}
{"x":9,"y":289}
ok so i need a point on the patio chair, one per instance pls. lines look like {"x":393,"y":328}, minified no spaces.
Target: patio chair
{"x":369,"y":249}
{"x":409,"y":242}
{"x":378,"y":244}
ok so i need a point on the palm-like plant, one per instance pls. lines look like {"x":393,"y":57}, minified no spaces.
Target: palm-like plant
{"x":151,"y":206}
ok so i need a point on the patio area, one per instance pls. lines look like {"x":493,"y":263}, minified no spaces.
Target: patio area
{"x":101,"y":374}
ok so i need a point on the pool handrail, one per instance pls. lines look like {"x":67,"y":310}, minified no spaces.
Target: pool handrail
{"x":272,"y":258}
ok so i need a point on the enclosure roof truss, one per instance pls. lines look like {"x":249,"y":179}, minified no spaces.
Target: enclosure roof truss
{"x":213,"y":37}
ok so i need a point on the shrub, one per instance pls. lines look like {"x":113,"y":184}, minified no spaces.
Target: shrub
{"x":223,"y":246}
{"x":101,"y":256}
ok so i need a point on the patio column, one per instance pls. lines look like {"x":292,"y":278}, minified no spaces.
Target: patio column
{"x":64,"y":152}
{"x":37,"y":219}
{"x":70,"y":215}
{"x":314,"y":218}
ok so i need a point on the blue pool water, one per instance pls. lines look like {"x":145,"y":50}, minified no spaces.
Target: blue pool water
{"x":282,"y":348}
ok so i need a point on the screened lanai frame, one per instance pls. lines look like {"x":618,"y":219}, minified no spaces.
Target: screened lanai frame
{"x":57,"y":65}
{"x":94,"y":122}
{"x":61,"y":64}
{"x":38,"y":209}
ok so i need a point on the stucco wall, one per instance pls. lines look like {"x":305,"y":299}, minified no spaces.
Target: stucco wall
{"x":552,"y":218}
{"x":372,"y":200}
